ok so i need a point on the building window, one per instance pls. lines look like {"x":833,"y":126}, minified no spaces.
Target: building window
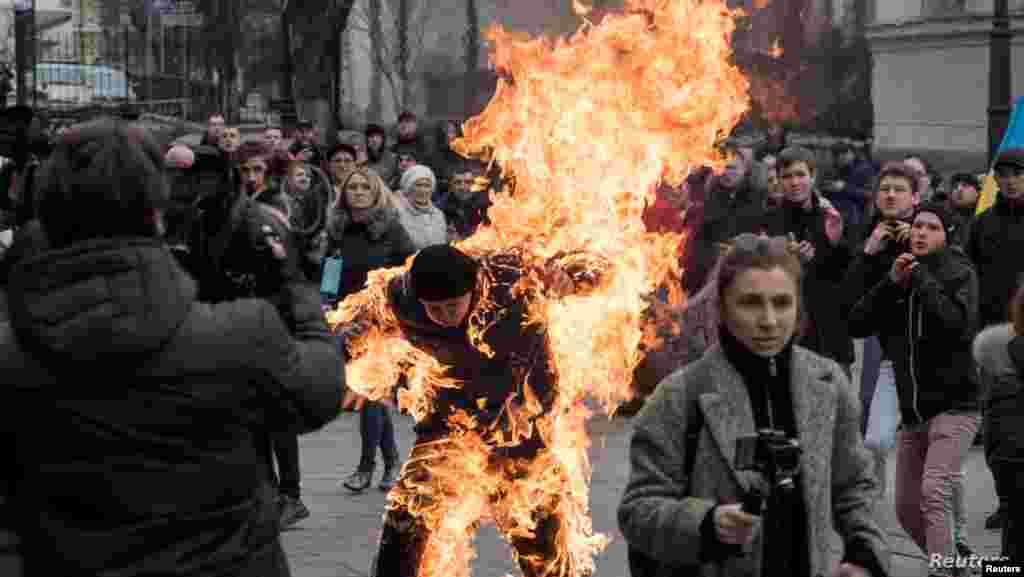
{"x":66,"y":3}
{"x":938,"y":8}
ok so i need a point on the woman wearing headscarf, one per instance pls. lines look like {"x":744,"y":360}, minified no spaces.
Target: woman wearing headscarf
{"x":420,"y":217}
{"x":681,"y":509}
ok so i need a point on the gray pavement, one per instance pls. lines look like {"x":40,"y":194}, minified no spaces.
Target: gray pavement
{"x":339,"y":539}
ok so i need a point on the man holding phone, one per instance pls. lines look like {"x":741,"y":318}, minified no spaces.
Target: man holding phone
{"x":886,"y":235}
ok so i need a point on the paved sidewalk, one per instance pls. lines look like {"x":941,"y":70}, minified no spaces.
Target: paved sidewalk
{"x":338,"y":540}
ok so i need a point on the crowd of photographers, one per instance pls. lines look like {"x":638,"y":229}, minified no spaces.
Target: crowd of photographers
{"x":893,"y":285}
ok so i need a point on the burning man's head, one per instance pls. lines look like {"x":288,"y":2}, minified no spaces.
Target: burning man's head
{"x":444,"y":280}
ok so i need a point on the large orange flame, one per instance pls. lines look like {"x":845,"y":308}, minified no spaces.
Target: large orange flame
{"x":586,"y":127}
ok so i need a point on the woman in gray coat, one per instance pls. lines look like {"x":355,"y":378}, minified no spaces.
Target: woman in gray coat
{"x":681,"y":512}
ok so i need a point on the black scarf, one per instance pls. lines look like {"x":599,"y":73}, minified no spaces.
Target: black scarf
{"x":768,"y":382}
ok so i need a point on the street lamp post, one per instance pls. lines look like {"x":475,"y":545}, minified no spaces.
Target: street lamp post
{"x":1000,"y":79}
{"x":287,"y":110}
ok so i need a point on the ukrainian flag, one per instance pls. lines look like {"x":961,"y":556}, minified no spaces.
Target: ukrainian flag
{"x":1013,"y":138}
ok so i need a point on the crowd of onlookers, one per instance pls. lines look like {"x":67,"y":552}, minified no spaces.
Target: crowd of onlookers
{"x":886,"y":277}
{"x":369,"y":201}
{"x":899,"y":277}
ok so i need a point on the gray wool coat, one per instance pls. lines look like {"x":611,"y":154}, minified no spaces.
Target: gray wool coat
{"x":662,"y":519}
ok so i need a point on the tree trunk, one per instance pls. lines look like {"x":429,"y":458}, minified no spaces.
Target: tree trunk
{"x":376,"y":49}
{"x":403,"y":52}
{"x":472,"y":57}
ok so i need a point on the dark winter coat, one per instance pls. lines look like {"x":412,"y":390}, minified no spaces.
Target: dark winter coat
{"x":996,"y":241}
{"x":307,"y":213}
{"x":726,"y":215}
{"x":379,"y":243}
{"x":824,"y":330}
{"x":927,"y":331}
{"x":521,"y":348}
{"x":465,"y":216}
{"x":867,"y":270}
{"x":384,"y":163}
{"x":156,"y":410}
{"x":999,"y":353}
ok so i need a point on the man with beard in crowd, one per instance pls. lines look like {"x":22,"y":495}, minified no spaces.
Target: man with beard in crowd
{"x":411,"y":137}
{"x":466,"y":203}
{"x":215,"y":126}
{"x":378,"y":157}
{"x":306,"y":145}
{"x":732,"y":205}
{"x":965,"y":189}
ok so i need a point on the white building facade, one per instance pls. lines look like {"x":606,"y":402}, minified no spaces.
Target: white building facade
{"x":930,"y":82}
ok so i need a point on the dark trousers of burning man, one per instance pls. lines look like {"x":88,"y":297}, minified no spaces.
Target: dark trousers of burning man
{"x":405,"y":538}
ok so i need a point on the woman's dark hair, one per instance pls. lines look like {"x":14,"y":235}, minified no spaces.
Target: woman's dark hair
{"x":343,"y":147}
{"x":924,"y":162}
{"x":749,"y":251}
{"x":898,"y":170}
{"x":1017,"y":309}
{"x":104,"y":179}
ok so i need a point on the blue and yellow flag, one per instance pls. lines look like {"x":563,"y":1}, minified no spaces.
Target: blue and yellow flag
{"x":1012,"y":138}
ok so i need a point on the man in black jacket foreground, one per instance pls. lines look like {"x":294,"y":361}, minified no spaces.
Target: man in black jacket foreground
{"x":134,"y":419}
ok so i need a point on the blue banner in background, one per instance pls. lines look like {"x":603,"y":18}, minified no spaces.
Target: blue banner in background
{"x":161,"y":6}
{"x":1014,"y":136}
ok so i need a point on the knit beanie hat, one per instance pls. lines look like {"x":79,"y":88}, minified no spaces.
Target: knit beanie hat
{"x":939,"y":209}
{"x":442,"y":272}
{"x":1010,"y":157}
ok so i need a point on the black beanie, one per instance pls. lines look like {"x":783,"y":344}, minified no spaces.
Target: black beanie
{"x":947,"y":218}
{"x":441,"y":272}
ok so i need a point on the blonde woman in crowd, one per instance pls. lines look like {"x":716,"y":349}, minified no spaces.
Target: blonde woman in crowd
{"x":364,"y":233}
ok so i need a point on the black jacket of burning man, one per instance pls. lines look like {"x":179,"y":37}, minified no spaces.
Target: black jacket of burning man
{"x":521,"y":355}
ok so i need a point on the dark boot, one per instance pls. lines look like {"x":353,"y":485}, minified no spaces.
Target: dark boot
{"x":293,"y":510}
{"x":997,"y":519}
{"x":359,"y":481}
{"x":387,"y":480}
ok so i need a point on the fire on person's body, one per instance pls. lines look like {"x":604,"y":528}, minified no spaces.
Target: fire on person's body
{"x":588,"y":127}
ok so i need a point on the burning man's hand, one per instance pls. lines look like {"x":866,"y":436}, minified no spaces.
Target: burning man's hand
{"x":557,"y":281}
{"x":733,"y":526}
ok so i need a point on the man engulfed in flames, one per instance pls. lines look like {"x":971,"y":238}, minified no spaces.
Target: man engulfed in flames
{"x":473,"y":316}
{"x":504,"y":344}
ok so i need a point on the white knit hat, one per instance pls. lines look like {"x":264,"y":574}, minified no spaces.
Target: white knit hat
{"x":414,"y":173}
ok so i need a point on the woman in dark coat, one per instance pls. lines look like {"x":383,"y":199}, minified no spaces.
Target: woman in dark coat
{"x":999,"y":352}
{"x":363,"y":230}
